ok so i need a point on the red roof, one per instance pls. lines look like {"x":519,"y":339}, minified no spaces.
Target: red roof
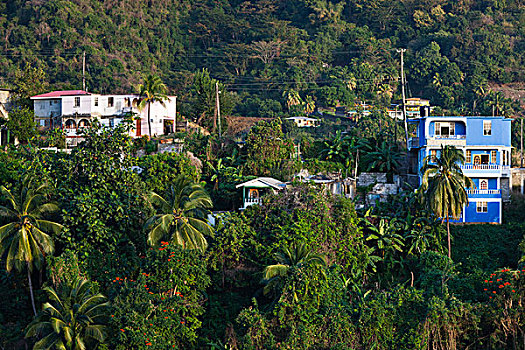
{"x":61,"y":93}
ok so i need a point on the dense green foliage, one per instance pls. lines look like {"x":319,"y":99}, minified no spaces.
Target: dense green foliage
{"x":302,"y":270}
{"x":135,"y":263}
{"x":320,"y":53}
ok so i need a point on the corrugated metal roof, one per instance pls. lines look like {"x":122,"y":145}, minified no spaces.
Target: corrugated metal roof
{"x":61,"y":93}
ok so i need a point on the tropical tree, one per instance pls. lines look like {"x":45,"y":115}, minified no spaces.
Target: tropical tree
{"x":25,"y":239}
{"x":72,"y":319}
{"x":292,"y":99}
{"x":385,"y":159}
{"x":181,"y":215}
{"x":153,"y":90}
{"x":335,"y":149}
{"x":309,"y":104}
{"x":296,"y":256}
{"x":443,"y":185}
{"x":385,"y":236}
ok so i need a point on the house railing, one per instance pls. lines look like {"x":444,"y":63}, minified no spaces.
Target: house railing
{"x":252,"y":200}
{"x":476,"y":191}
{"x":484,"y":167}
{"x":450,"y":137}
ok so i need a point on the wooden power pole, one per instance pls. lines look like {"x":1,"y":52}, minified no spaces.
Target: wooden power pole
{"x":521,"y":141}
{"x":84,"y":71}
{"x":402,"y":51}
{"x":218,"y":106}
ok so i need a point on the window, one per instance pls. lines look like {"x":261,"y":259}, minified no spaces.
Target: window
{"x":469,"y":156}
{"x":42,"y":106}
{"x":483,"y":184}
{"x":481,"y":207}
{"x":50,"y":103}
{"x":493,"y":158}
{"x":110,"y":101}
{"x":504,"y":154}
{"x":77,"y":101}
{"x":487,"y":128}
{"x":445,"y":129}
{"x":433,"y":155}
{"x":96,"y":102}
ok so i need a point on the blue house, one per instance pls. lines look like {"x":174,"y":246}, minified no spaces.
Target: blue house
{"x":486,"y":143}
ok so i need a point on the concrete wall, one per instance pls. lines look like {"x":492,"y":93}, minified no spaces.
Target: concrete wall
{"x":69,"y":107}
{"x":518,"y":180}
{"x":47,"y":108}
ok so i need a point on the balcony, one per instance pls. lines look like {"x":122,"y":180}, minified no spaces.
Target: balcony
{"x":413,"y":142}
{"x":451,"y":140}
{"x":450,"y":137}
{"x":502,"y":170}
{"x":476,"y":193}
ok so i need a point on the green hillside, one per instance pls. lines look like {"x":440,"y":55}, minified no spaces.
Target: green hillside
{"x":337,"y":52}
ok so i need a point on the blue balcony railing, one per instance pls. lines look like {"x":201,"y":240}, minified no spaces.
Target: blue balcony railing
{"x":476,"y":193}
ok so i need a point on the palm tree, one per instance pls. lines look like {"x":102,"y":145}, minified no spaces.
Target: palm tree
{"x":309,"y":105}
{"x":294,"y":257}
{"x":182,"y":215}
{"x":25,"y":238}
{"x":385,"y":159}
{"x":153,"y":90}
{"x":443,"y":185}
{"x":292,"y":99}
{"x":71,"y":320}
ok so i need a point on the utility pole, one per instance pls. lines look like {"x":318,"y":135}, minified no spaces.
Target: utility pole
{"x":401,"y":51}
{"x":521,"y":141}
{"x":84,"y":71}
{"x":218,"y":106}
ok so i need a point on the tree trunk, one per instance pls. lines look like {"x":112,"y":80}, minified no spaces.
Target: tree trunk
{"x":149,"y":119}
{"x":448,"y":237}
{"x":31,"y":289}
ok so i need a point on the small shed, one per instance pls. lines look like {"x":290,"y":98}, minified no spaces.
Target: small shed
{"x":253,"y":190}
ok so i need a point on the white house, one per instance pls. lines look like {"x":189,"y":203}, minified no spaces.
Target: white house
{"x":304,"y":122}
{"x":75,"y":109}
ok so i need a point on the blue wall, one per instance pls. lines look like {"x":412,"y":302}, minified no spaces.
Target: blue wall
{"x":422,"y":135}
{"x":493,"y":183}
{"x":500,"y":131}
{"x":492,"y":214}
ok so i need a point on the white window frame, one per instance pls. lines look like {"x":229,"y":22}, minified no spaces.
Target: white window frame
{"x":96,"y":101}
{"x":451,"y":128}
{"x":487,"y":131}
{"x":468,"y":156}
{"x":494,"y":157}
{"x":77,"y":102}
{"x":482,"y":207}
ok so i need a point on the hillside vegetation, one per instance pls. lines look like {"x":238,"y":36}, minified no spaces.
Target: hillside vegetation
{"x":331,"y":52}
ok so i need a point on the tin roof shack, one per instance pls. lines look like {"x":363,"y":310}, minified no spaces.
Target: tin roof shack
{"x":253,"y":190}
{"x":373,"y":187}
{"x":332,"y":183}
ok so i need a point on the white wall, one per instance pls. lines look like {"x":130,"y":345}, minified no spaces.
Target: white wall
{"x":69,"y":108}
